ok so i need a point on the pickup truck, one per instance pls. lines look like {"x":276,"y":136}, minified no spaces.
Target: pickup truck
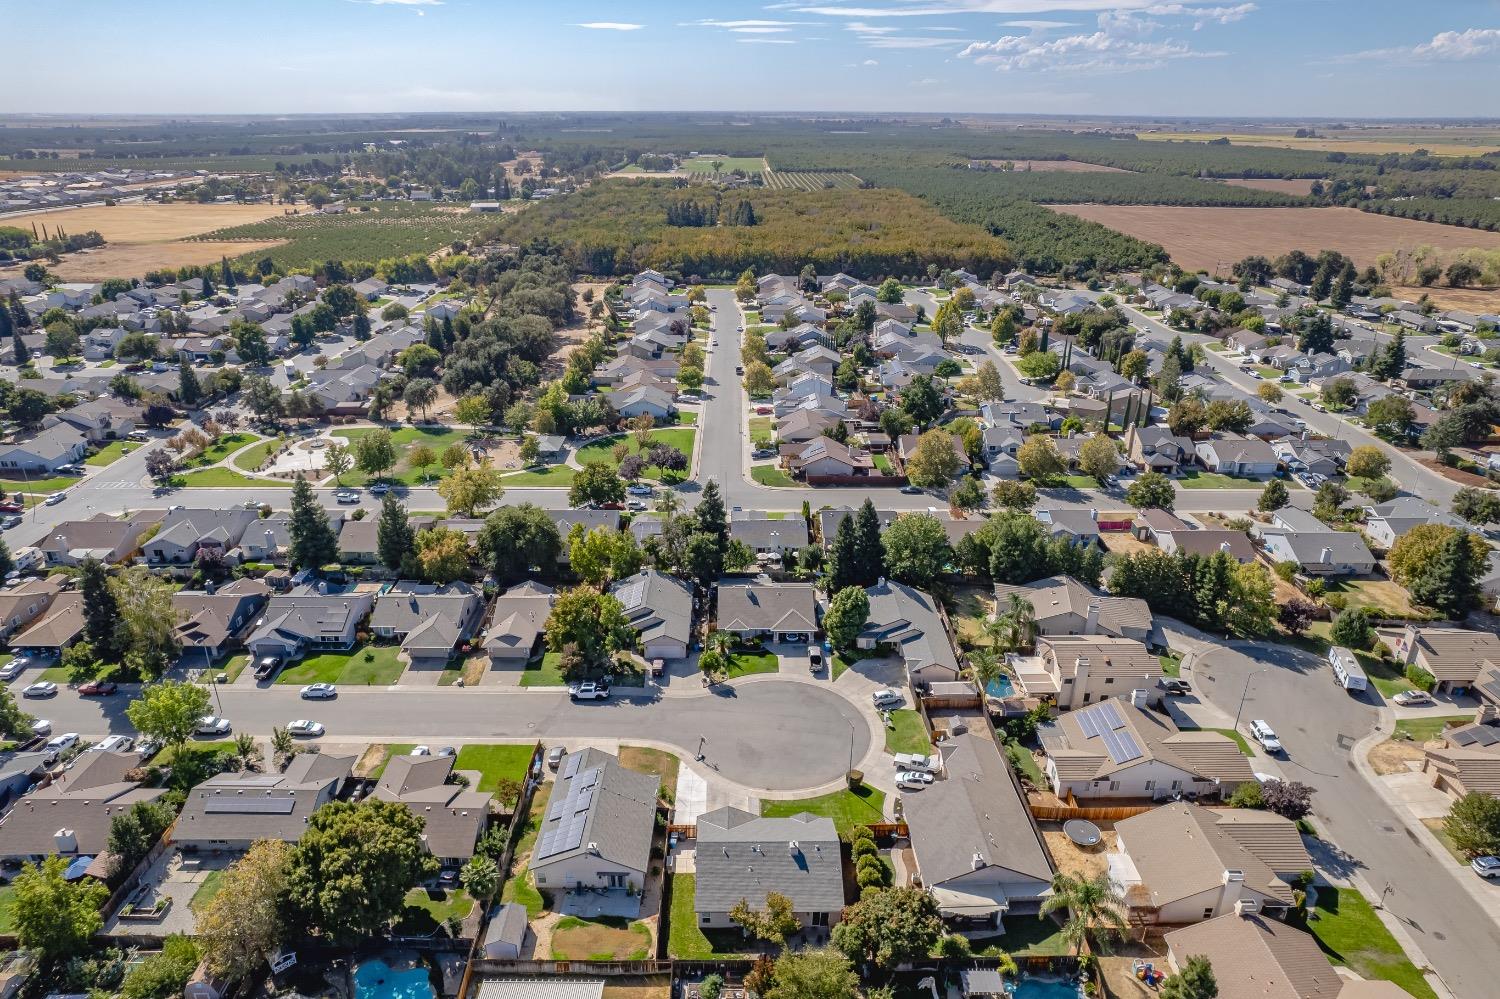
{"x":589,"y":691}
{"x":920,"y":764}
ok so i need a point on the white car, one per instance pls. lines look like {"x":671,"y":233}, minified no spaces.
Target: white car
{"x":12,"y":669}
{"x":63,"y":743}
{"x":886,"y":697}
{"x":42,"y":688}
{"x":638,"y":489}
{"x":212,"y":725}
{"x":346,"y":495}
{"x":114,"y":744}
{"x":1411,"y":698}
{"x":421,"y":750}
{"x":304,"y":727}
{"x":319,"y":692}
{"x":913,"y":779}
{"x":55,"y":499}
{"x":1262,"y":733}
{"x":1486,"y":867}
{"x":41,"y":727}
{"x":589,"y":691}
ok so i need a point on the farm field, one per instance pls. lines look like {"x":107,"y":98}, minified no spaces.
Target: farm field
{"x":384,"y":231}
{"x":1329,"y":143}
{"x":1055,"y":166}
{"x":1476,"y":300}
{"x":727,"y":164}
{"x":784,"y":180}
{"x":1298,"y":187}
{"x":1208,"y":237}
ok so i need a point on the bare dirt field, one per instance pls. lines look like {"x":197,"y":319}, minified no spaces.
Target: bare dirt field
{"x":1056,"y":166}
{"x":1298,"y":187}
{"x":152,"y":223}
{"x":135,"y":259}
{"x":1477,"y":300}
{"x":1206,"y":237}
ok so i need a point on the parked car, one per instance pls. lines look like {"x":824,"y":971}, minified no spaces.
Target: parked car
{"x":63,"y":743}
{"x":917,"y":762}
{"x":590,"y":690}
{"x":55,"y":499}
{"x":912,"y":490}
{"x":886,"y":697}
{"x":446,"y":751}
{"x":138,"y":435}
{"x":379,"y":488}
{"x":1486,"y":867}
{"x":635,"y":505}
{"x":114,"y":744}
{"x":346,"y":496}
{"x":1172,"y":685}
{"x":41,"y":727}
{"x":11,"y":506}
{"x":913,"y":780}
{"x":13,"y":669}
{"x":421,"y":751}
{"x":42,"y":688}
{"x":212,"y":725}
{"x":267,"y":667}
{"x":1262,"y":733}
{"x":12,"y":521}
{"x":98,"y":688}
{"x":639,"y":489}
{"x":555,"y":757}
{"x":319,"y":692}
{"x":1412,"y":698}
{"x":814,"y":659}
{"x":303,"y":727}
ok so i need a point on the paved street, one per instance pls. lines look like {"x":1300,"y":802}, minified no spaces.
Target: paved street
{"x":766,"y":734}
{"x":1319,"y":723}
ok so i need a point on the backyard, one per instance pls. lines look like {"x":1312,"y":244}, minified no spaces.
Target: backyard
{"x":366,"y":665}
{"x":428,"y":910}
{"x":849,"y":808}
{"x":685,"y":940}
{"x":601,"y":939}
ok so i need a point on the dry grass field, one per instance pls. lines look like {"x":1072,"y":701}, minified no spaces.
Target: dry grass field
{"x":1298,"y":187}
{"x":1207,"y":237}
{"x":1331,"y":143}
{"x":1477,"y":300}
{"x":135,"y":259}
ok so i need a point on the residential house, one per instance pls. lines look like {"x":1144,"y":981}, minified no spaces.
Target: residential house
{"x":22,"y":604}
{"x":1413,"y":321}
{"x":54,"y":629}
{"x":19,"y":772}
{"x":71,"y":818}
{"x":742,"y":857}
{"x":1238,"y":456}
{"x":1466,"y":759}
{"x":803,"y":425}
{"x":1297,"y":536}
{"x":1157,"y":449}
{"x":1080,"y":527}
{"x":1120,"y":748}
{"x":908,"y":621}
{"x":231,"y":811}
{"x":783,"y":612}
{"x":1320,"y":455}
{"x":103,"y":419}
{"x":597,"y":830}
{"x":659,"y":608}
{"x":906,"y":446}
{"x":1428,"y":378}
{"x":644,"y":400}
{"x":1248,"y":343}
{"x":431,"y":621}
{"x":974,"y":843}
{"x":830,"y":517}
{"x":1152,"y":524}
{"x":1181,"y":863}
{"x":307,"y":619}
{"x":1385,"y":522}
{"x":185,"y":532}
{"x":370,"y":288}
{"x":212,"y":623}
{"x":1453,"y":656}
{"x":1074,"y":670}
{"x":517,"y":619}
{"x":763,"y":535}
{"x":108,"y":539}
{"x":44,"y":453}
{"x":825,"y":456}
{"x":1064,"y":606}
{"x":1209,"y":541}
{"x":1257,"y":957}
{"x":453,"y":816}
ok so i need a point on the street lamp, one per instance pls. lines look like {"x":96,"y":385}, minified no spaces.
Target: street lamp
{"x":851,"y":744}
{"x":1244,"y":693}
{"x":701,"y":741}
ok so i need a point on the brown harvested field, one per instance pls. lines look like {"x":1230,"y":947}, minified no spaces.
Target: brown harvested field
{"x":152,"y":223}
{"x":1477,"y":300}
{"x":135,"y":259}
{"x":1056,"y":166}
{"x":1298,"y":187}
{"x":1208,"y":237}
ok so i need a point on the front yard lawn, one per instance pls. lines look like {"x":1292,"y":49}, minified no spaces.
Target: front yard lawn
{"x":544,"y":672}
{"x":382,"y":669}
{"x":847,"y":809}
{"x":601,"y":939}
{"x":110,"y":453}
{"x":743,"y":663}
{"x":909,"y":735}
{"x":50,"y":485}
{"x":602,"y":450}
{"x":770,"y":475}
{"x":220,"y":747}
{"x":760,"y":431}
{"x":1198,"y":479}
{"x":1427,"y":729}
{"x":235,"y":666}
{"x":1352,"y":935}
{"x":686,"y":941}
{"x":656,"y":762}
{"x":1171,"y":664}
{"x":495,"y":762}
{"x":427,"y":911}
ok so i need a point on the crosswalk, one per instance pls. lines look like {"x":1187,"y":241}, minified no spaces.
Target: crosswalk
{"x":119,"y":484}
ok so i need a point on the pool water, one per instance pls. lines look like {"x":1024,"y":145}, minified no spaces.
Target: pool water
{"x":1000,"y":687}
{"x":1046,"y":988}
{"x":377,"y":980}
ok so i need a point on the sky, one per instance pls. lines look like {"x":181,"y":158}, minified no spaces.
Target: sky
{"x":1307,"y":58}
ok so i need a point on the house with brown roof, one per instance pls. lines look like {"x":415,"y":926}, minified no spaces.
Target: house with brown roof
{"x":1454,"y":656}
{"x":825,"y":456}
{"x":430,"y":620}
{"x":20,"y":605}
{"x":108,"y":539}
{"x":453,"y":816}
{"x":1075,"y":670}
{"x":214,"y":622}
{"x":1182,"y":863}
{"x":1465,"y":759}
{"x":54,"y":629}
{"x":71,"y":817}
{"x":1157,"y":449}
{"x":1119,"y":748}
{"x":1064,"y":606}
{"x":1208,"y":541}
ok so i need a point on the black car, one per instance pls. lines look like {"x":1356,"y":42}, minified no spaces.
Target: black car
{"x":1174,"y":686}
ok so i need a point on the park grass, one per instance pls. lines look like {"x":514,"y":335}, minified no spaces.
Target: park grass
{"x":207,"y":889}
{"x":544,"y":672}
{"x":744,"y":663}
{"x":347,"y":668}
{"x":404,"y":439}
{"x":556,"y":476}
{"x":770,"y":475}
{"x":520,"y":889}
{"x":1427,"y":729}
{"x":251,"y":458}
{"x":1350,"y":932}
{"x":657,"y":762}
{"x":909,"y":734}
{"x":228,"y":478}
{"x":686,"y":941}
{"x":848,"y":808}
{"x":602,"y":450}
{"x":602,"y":939}
{"x":495,"y":762}
{"x":223,"y":446}
{"x":57,"y":674}
{"x":110,"y":453}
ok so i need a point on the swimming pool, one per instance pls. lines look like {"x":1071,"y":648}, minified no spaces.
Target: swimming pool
{"x":1000,"y":687}
{"x":1046,"y":988}
{"x":375,"y":979}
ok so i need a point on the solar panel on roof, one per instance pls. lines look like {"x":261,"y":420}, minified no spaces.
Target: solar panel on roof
{"x":249,"y":806}
{"x":1088,"y":723}
{"x":1111,"y":714}
{"x":1121,"y":746}
{"x":571,"y":767}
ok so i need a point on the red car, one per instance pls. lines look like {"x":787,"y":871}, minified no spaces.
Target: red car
{"x":98,"y":688}
{"x":10,"y":506}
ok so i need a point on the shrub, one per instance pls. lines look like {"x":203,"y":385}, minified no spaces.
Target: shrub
{"x":864,"y":848}
{"x":1286,"y":571}
{"x":1247,"y":795}
{"x":1420,"y":678}
{"x":1316,"y":588}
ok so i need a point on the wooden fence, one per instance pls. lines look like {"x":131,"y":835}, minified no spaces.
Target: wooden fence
{"x":1062,"y":813}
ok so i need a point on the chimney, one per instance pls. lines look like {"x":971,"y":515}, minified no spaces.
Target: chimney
{"x":1091,"y":623}
{"x":1138,"y":698}
{"x":1233,"y":888}
{"x":881,"y":583}
{"x":594,"y":849}
{"x":1093,"y":514}
{"x":1326,"y":556}
{"x":64,"y":842}
{"x":977,"y":862}
{"x":793,"y":848}
{"x":1246,"y":907}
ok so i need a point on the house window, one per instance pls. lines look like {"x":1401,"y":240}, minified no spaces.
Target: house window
{"x":1151,"y":785}
{"x":1114,"y":785}
{"x":541,"y":879}
{"x":1087,"y":696}
{"x":820,"y":919}
{"x":1109,"y":679}
{"x":1208,"y":913}
{"x":705,"y":919}
{"x":613,"y":879}
{"x":1177,"y":785}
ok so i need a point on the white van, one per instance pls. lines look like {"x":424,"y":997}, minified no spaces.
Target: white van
{"x":1347,"y":672}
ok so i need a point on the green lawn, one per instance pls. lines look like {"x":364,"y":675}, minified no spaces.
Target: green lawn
{"x":847,"y":809}
{"x":909,"y":735}
{"x":235,"y":666}
{"x":1352,"y":935}
{"x":840,"y":663}
{"x":494,"y":763}
{"x":686,"y":941}
{"x":602,"y":450}
{"x":1266,"y":371}
{"x":727,"y":164}
{"x":228,"y":478}
{"x":744,"y":663}
{"x":1171,"y":664}
{"x":220,"y":747}
{"x":223,"y":447}
{"x":252,"y":458}
{"x":1425,"y":729}
{"x":57,"y":674}
{"x":687,"y":419}
{"x":520,"y":889}
{"x":544,"y":672}
{"x":1020,"y":757}
{"x":404,"y":438}
{"x":760,"y":431}
{"x":602,"y":939}
{"x":882,"y":464}
{"x":110,"y":453}
{"x":207,"y":889}
{"x":8,"y":905}
{"x":770,"y":475}
{"x":1033,"y":936}
{"x":347,"y":667}
{"x":560,"y":476}
{"x":1239,"y":740}
{"x":49,"y":485}
{"x":427,"y":911}
{"x":1197,"y":479}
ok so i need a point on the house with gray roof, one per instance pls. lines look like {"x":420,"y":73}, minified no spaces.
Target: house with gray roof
{"x":308,"y":619}
{"x":213,"y":622}
{"x":516,"y":621}
{"x":974,"y":842}
{"x":72,"y":817}
{"x":185,"y":532}
{"x":1064,"y":606}
{"x":907,"y":620}
{"x":596,"y":832}
{"x":762,"y":534}
{"x":783,"y":612}
{"x":1297,"y":536}
{"x":742,"y":857}
{"x":660,"y":609}
{"x":1237,"y":455}
{"x":452,"y":816}
{"x":1080,"y":527}
{"x":1385,"y":522}
{"x":230,"y":811}
{"x":44,"y":453}
{"x":430,"y":620}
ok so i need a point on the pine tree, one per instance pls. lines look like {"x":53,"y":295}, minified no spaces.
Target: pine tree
{"x":226,"y":273}
{"x":393,"y":537}
{"x":869,"y":554}
{"x":1343,"y":288}
{"x":1447,"y":583}
{"x":208,"y":286}
{"x":712,"y":519}
{"x":313,"y":541}
{"x":7,"y":325}
{"x":18,"y":314}
{"x":7,"y":561}
{"x":101,"y":612}
{"x":189,"y":391}
{"x":843,"y":559}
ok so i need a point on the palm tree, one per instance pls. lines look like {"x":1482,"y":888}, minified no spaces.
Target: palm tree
{"x":1093,"y":906}
{"x":668,"y":502}
{"x":480,"y":878}
{"x":997,"y":630}
{"x":244,"y":748}
{"x":719,"y":641}
{"x":1021,"y":617}
{"x":985,"y":664}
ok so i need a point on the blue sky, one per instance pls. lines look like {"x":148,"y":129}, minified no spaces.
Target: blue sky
{"x":1133,"y":57}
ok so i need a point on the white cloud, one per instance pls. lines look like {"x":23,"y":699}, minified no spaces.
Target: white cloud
{"x":870,"y":62}
{"x":1204,"y":15}
{"x":740,"y":25}
{"x":928,"y":8}
{"x":610,"y":26}
{"x":1446,"y":46}
{"x":1122,"y":43}
{"x":1036,"y":25}
{"x":766,"y":41}
{"x":886,"y":36}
